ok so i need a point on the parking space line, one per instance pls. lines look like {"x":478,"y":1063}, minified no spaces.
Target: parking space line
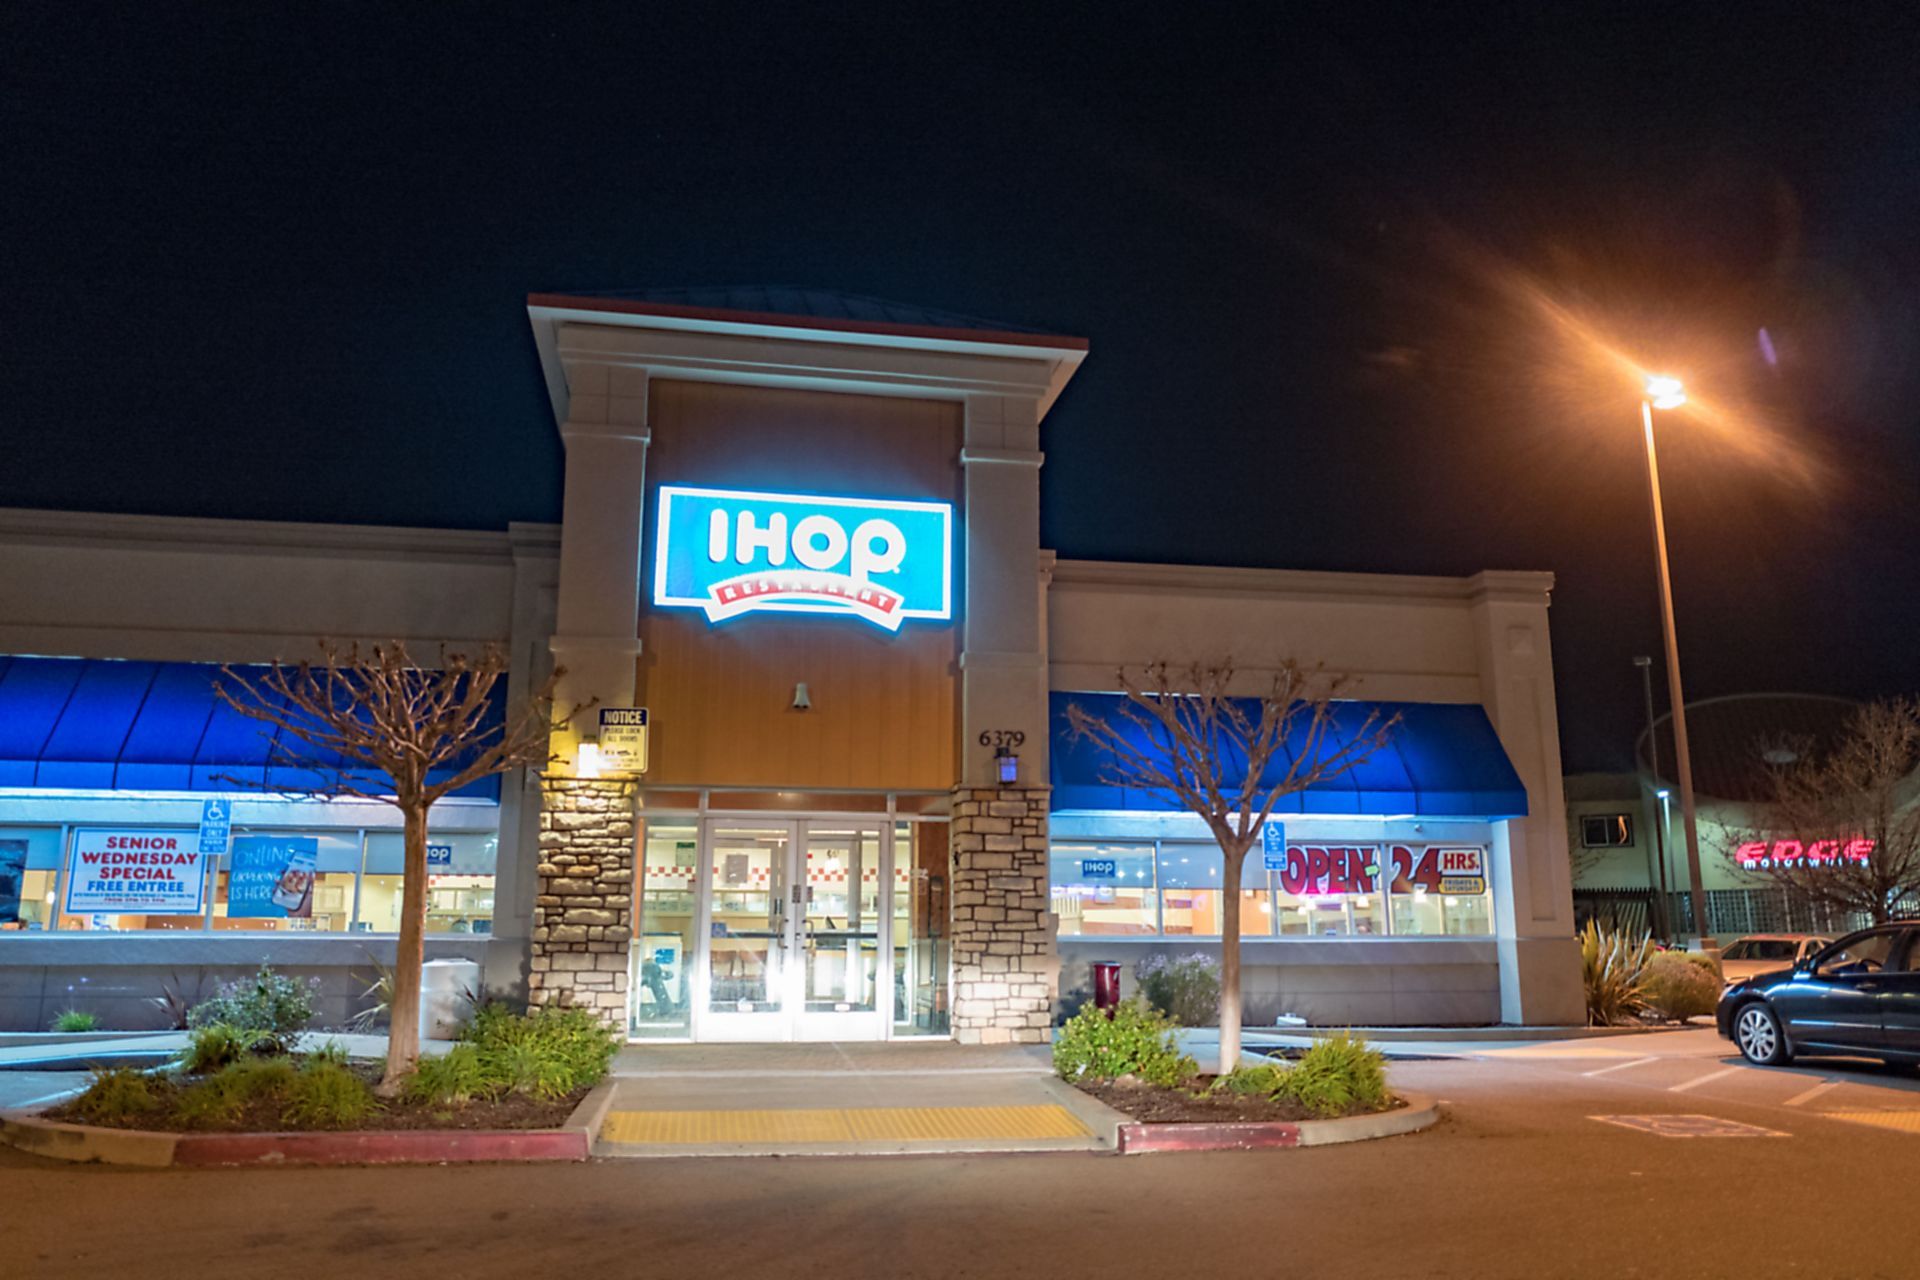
{"x":1800,"y":1099}
{"x":1697,"y":1081}
{"x":1620,"y":1066}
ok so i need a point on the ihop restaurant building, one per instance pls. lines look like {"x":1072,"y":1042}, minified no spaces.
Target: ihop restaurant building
{"x":801,"y":531}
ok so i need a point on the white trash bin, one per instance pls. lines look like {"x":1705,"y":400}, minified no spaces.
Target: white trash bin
{"x":445,"y":988}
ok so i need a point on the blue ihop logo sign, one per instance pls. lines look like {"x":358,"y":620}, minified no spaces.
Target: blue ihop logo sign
{"x":731,"y":553}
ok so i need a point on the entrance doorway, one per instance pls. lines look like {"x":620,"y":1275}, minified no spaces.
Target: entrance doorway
{"x":793,"y":931}
{"x":776,"y":927}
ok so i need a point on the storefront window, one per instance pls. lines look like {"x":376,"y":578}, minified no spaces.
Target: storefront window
{"x":1104,"y":889}
{"x":287,"y":881}
{"x":663,"y":958}
{"x":1441,"y":891}
{"x":1191,"y":900}
{"x":920,"y":942}
{"x":29,"y":875}
{"x":1325,"y":891}
{"x":459,"y":882}
{"x":1330,"y":891}
{"x":111,"y":870}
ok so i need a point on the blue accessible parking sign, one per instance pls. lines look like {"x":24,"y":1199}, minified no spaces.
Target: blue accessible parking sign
{"x":1273,"y":845}
{"x":216,"y":826}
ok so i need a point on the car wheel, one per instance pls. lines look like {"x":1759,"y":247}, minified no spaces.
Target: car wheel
{"x":1759,"y":1036}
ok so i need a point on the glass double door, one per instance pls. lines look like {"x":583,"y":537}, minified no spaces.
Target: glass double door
{"x":794,"y":931}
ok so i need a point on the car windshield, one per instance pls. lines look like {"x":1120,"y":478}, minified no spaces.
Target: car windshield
{"x":1781,"y":949}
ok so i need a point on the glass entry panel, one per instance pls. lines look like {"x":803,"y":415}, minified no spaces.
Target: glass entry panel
{"x":748,"y":869}
{"x":793,"y":926}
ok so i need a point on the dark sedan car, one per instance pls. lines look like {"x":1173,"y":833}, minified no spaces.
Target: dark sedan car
{"x":1859,"y":995}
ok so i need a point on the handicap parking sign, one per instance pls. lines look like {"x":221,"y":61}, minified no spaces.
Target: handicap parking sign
{"x":216,"y":826}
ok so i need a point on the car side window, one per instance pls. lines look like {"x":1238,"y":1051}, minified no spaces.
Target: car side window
{"x":1865,"y":954}
{"x":1913,"y":952}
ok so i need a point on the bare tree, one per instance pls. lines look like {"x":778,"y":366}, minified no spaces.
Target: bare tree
{"x":374,"y":725}
{"x":1840,"y":829}
{"x":1185,"y":736}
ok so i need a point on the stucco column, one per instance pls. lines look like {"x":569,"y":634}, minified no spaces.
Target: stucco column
{"x":602,"y":542}
{"x":1004,"y":962}
{"x":1532,"y":886}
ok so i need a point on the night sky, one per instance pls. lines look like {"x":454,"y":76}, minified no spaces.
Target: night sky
{"x":1345,"y":280}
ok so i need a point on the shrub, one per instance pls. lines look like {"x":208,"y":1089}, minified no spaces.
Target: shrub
{"x":1613,"y":967}
{"x":451,"y":1079}
{"x":1678,"y":987}
{"x":1264,"y":1080}
{"x":332,"y":1051}
{"x":1341,"y":1073}
{"x":549,"y":1052}
{"x":116,"y":1094}
{"x":1136,"y":1041}
{"x":325,"y":1095}
{"x":218,"y":1100}
{"x":211,"y":1047}
{"x":277,"y":1006}
{"x":1185,"y":988}
{"x":75,"y":1020}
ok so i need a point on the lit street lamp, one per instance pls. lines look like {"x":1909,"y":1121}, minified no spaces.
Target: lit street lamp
{"x":1667,"y":393}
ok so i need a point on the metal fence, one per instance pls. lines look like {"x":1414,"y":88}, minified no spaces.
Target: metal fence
{"x":1730,"y":913}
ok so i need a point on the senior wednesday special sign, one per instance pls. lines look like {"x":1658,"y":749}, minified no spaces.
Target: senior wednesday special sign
{"x":158,"y":873}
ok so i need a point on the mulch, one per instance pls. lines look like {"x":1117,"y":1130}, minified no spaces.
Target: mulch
{"x":262,"y":1114}
{"x":1193,"y":1104}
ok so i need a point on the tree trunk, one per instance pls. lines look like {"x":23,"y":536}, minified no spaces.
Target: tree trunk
{"x":1230,"y":962}
{"x":403,"y":1032}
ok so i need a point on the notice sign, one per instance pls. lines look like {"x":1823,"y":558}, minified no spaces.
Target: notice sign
{"x":271,"y":877}
{"x":156,"y":873}
{"x":623,"y":739}
{"x":1462,"y":871}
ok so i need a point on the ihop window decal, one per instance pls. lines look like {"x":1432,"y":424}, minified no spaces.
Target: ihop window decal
{"x":732,"y":552}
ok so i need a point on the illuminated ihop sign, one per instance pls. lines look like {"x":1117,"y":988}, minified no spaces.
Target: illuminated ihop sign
{"x":730,"y":553}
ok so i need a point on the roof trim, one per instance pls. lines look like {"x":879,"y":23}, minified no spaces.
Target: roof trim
{"x":778,"y":320}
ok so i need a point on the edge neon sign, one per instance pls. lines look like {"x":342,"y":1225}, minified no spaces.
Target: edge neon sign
{"x":731,"y":552}
{"x":1759,"y":855}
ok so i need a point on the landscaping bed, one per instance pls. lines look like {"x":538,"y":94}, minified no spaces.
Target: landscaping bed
{"x":1202,"y":1101}
{"x":266,"y":1109}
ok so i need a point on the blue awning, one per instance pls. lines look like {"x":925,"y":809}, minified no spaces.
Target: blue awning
{"x":100,"y":725}
{"x":1443,"y":761}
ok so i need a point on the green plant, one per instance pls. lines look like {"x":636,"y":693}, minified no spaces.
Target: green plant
{"x":1613,"y":966}
{"x":1264,"y":1080}
{"x":1340,"y":1074}
{"x":325,"y":1095}
{"x":1185,"y":988}
{"x":549,"y":1052}
{"x":75,"y":1020}
{"x":450,"y":1079}
{"x":218,"y":1100}
{"x":277,"y":1006}
{"x":332,"y":1051}
{"x":173,"y":1002}
{"x":380,"y":991}
{"x":1136,"y":1041}
{"x":211,"y":1047}
{"x":115,"y":1094}
{"x":1677,"y":987}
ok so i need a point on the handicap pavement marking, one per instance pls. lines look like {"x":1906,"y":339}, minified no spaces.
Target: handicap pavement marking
{"x":1690,"y":1126}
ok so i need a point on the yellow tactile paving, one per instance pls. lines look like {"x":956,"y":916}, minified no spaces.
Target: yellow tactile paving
{"x":854,"y":1124}
{"x":1904,"y":1121}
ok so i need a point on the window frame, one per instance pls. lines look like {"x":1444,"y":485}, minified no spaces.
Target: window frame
{"x":1624,"y":818}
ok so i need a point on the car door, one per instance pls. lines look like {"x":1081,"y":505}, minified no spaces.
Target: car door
{"x":1900,"y":1000}
{"x":1834,"y":1004}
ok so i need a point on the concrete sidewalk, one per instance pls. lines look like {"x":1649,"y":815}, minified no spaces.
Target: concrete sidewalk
{"x":846,"y":1099}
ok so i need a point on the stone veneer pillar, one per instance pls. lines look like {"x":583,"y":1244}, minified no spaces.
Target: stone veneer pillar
{"x":1005,"y":967}
{"x":583,"y":916}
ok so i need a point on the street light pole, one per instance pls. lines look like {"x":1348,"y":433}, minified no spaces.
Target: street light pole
{"x":1668,"y":394}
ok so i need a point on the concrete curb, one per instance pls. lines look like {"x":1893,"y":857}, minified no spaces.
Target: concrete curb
{"x":572,"y":1142}
{"x":1421,"y":1112}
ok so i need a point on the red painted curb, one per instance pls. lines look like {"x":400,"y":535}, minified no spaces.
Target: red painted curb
{"x":424,"y":1146}
{"x":1137,"y":1138}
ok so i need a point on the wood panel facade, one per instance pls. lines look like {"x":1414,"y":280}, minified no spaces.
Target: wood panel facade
{"x":885,"y":707}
